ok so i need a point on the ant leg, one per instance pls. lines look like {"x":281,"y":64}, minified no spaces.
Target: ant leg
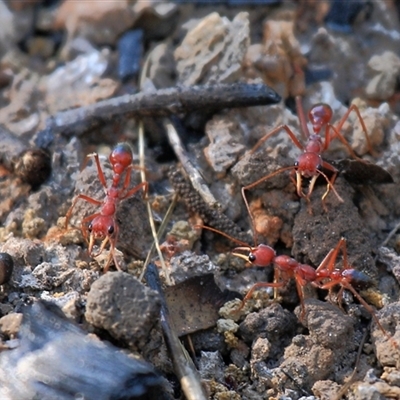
{"x":338,"y":135}
{"x":327,"y":265}
{"x":330,"y":182}
{"x":299,"y":286}
{"x":131,"y":192}
{"x":112,"y":256}
{"x":102,"y":246}
{"x":255,"y":184}
{"x":113,"y":241}
{"x":310,"y":190}
{"x":339,"y":297}
{"x":339,"y":126}
{"x":99,"y":169}
{"x":277,"y":279}
{"x":348,"y":286}
{"x":83,"y":223}
{"x":83,"y":197}
{"x":297,"y":182}
{"x":127,"y":180}
{"x":273,"y":132}
{"x":260,"y":285}
{"x":267,"y":177}
{"x":302,"y":119}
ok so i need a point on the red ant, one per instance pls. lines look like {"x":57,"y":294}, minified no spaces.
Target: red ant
{"x":285,"y":267}
{"x":103,"y":225}
{"x":310,"y":162}
{"x":327,"y":277}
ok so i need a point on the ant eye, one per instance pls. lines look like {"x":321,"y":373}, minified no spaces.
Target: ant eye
{"x":319,"y":167}
{"x":90,"y":227}
{"x":252,"y":257}
{"x":111,"y":229}
{"x":296,"y":164}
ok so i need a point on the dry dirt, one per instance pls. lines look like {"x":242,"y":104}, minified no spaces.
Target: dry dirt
{"x":56,"y":57}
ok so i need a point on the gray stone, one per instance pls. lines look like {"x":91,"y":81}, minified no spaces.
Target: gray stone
{"x":120,"y":304}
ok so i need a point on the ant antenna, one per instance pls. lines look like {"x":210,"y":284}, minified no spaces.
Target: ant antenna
{"x":223,"y":234}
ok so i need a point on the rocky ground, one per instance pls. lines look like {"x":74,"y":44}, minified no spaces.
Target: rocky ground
{"x":56,"y":56}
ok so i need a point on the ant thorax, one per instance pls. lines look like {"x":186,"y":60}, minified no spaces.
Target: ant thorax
{"x":314,"y":144}
{"x":109,"y":208}
{"x":337,"y":274}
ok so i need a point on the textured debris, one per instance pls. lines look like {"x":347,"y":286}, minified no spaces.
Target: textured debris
{"x":263,"y":350}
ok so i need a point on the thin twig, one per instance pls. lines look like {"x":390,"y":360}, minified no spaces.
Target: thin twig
{"x":160,"y":232}
{"x":148,"y":205}
{"x":391,"y":234}
{"x":197,"y":180}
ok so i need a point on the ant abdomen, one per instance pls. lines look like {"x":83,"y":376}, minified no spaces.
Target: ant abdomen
{"x":319,"y":115}
{"x":121,"y":157}
{"x":357,"y":278}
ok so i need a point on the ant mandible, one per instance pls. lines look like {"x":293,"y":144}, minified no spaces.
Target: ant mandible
{"x":285,"y":267}
{"x":310,"y":163}
{"x":103,"y":225}
{"x":328,"y":276}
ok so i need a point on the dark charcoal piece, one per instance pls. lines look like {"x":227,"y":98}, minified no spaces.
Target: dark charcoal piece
{"x":55,"y":359}
{"x":6,"y":267}
{"x":158,"y":103}
{"x":362,"y":173}
{"x":130,"y":48}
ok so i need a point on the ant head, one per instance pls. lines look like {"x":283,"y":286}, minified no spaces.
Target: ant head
{"x":102,"y":227}
{"x":320,"y":115}
{"x":121,"y":157}
{"x":260,"y":256}
{"x":308,"y":164}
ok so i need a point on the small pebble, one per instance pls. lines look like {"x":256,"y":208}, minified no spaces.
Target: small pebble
{"x":121,"y":305}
